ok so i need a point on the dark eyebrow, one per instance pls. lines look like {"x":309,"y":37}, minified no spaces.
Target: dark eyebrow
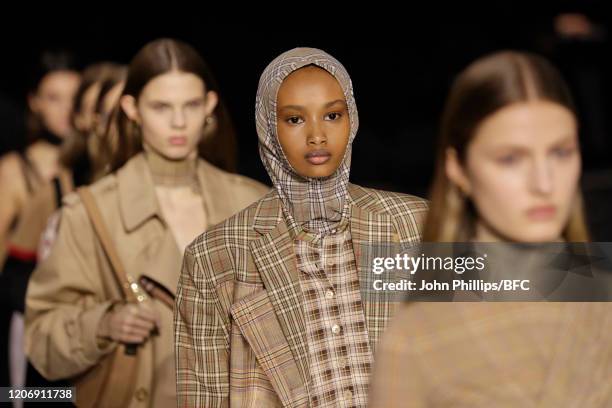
{"x":294,"y":107}
{"x":332,"y":103}
{"x":327,"y":105}
{"x":566,"y":139}
{"x":158,"y":102}
{"x":163,"y":102}
{"x":196,"y":99}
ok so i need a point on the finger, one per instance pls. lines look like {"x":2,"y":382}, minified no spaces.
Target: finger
{"x":135,"y":314}
{"x":135,"y":332}
{"x":148,"y":316}
{"x":141,"y":324}
{"x":147,"y":309}
{"x":144,"y":323}
{"x":123,"y":337}
{"x":137,"y":327}
{"x":138,"y":336}
{"x":132,"y":339}
{"x":132,"y":309}
{"x":146,"y":305}
{"x":125,"y":313}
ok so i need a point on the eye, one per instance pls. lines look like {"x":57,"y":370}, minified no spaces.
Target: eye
{"x":508,"y":159}
{"x":294,"y":120}
{"x":194,"y":104}
{"x":333,"y":116}
{"x":563,"y":152}
{"x":53,"y":97}
{"x":159,"y":106}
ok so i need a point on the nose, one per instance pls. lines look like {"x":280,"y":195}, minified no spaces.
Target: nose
{"x":66,"y":105}
{"x":64,"y":112}
{"x":541,"y":177}
{"x":316,"y":134}
{"x":178,"y":119}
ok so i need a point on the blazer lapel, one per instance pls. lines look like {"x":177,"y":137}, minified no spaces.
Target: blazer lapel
{"x":274,"y":258}
{"x":371,"y":231}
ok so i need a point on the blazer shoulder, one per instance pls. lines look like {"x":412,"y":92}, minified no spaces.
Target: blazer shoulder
{"x":223,"y":249}
{"x":233,"y":233}
{"x":407,"y":211}
{"x":390,"y":202}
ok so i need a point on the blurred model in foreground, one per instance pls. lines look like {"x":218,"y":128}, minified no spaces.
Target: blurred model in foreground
{"x":507,"y":172}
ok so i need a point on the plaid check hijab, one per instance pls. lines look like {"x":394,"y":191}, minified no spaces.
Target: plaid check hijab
{"x":315,"y":204}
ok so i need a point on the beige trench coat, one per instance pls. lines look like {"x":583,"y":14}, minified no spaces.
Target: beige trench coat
{"x":72,"y":289}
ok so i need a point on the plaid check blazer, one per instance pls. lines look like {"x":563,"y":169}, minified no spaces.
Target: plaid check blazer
{"x":240,"y":337}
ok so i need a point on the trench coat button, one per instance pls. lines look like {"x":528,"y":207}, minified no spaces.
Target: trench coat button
{"x":141,"y":394}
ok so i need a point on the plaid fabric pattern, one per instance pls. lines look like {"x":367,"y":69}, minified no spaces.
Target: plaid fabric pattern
{"x":496,"y":354}
{"x":240,"y":329}
{"x":315,"y":204}
{"x":339,"y":350}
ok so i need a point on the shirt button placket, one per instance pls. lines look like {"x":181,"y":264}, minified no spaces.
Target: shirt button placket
{"x":348,"y":396}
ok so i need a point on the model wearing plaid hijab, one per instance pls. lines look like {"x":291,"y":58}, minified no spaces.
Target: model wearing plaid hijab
{"x":316,"y":204}
{"x":241,"y":318}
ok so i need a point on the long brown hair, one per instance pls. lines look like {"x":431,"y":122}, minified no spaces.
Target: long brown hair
{"x":484,"y":87}
{"x":74,"y":152}
{"x":218,"y":144}
{"x":91,"y":75}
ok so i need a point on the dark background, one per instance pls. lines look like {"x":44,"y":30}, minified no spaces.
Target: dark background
{"x":402,"y":66}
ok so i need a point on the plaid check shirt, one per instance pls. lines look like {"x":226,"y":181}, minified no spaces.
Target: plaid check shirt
{"x":337,"y":337}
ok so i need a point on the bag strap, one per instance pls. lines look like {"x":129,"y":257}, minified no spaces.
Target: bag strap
{"x":157,"y":292}
{"x":114,"y":386}
{"x":97,"y":222}
{"x":57,"y":187}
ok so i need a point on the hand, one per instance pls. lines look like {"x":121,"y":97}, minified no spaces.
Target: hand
{"x":129,"y":323}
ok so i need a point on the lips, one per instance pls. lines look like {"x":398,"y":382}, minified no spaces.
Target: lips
{"x":178,"y":140}
{"x":318,"y":157}
{"x":542,"y":213}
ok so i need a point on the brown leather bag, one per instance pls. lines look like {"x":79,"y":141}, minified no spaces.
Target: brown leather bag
{"x":112,"y":382}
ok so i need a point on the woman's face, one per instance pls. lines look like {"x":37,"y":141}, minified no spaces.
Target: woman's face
{"x":521,"y":172}
{"x":53,"y":101}
{"x":171,"y":111}
{"x":313,"y":124}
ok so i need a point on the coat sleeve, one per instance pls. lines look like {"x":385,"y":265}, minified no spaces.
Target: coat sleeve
{"x":201,"y":337}
{"x":65,"y":302}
